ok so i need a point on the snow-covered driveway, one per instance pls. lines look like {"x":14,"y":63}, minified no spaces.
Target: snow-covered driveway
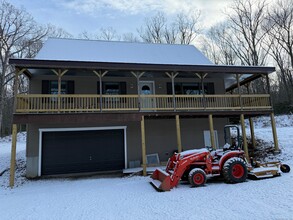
{"x":134,"y":198}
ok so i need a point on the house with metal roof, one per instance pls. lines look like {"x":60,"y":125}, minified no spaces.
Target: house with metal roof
{"x":101,"y":106}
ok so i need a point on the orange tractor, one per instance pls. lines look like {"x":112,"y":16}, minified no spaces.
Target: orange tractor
{"x":195,"y":165}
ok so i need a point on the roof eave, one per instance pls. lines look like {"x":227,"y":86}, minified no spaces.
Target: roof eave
{"x":62,"y":64}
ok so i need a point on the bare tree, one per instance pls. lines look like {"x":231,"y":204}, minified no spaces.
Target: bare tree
{"x":279,"y":27}
{"x":241,"y":39}
{"x":216,"y":47}
{"x":210,"y":49}
{"x":183,"y":30}
{"x":153,"y":29}
{"x":188,"y":27}
{"x":20,"y":36}
{"x":246,"y":36}
{"x":130,"y":37}
{"x":109,"y":34}
{"x":170,"y":34}
{"x":86,"y":35}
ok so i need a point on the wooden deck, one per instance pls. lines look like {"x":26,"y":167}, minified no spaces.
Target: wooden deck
{"x":88,"y":103}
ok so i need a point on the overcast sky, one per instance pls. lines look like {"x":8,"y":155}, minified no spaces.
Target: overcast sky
{"x":77,"y":16}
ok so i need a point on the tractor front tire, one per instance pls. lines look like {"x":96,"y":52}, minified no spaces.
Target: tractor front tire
{"x":285,"y":168}
{"x":234,"y":170}
{"x":197,"y":177}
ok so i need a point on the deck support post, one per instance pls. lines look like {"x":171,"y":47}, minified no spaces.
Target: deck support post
{"x":276,"y":143}
{"x":245,"y":147}
{"x":252,"y":132}
{"x":143,"y":148}
{"x":179,"y":145}
{"x":100,"y":75}
{"x":212,"y":133}
{"x":13,"y":156}
{"x":172,"y":76}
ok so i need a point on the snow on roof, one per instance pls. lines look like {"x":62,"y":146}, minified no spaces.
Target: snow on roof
{"x":120,"y":52}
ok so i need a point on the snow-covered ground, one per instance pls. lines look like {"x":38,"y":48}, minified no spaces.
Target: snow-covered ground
{"x":134,"y":197}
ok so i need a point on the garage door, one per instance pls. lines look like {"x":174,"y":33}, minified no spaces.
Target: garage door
{"x":82,"y":151}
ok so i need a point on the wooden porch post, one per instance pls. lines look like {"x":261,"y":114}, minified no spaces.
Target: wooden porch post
{"x":100,"y":74}
{"x":239,"y":92}
{"x":252,"y":132}
{"x":138,"y":75}
{"x":247,"y":87}
{"x":212,"y":133}
{"x":276,"y":143}
{"x":59,"y":74}
{"x":173,"y":76}
{"x":245,"y":148}
{"x":179,"y":145}
{"x":59,"y":90}
{"x":202,"y":77}
{"x":269,"y":89}
{"x":143,"y":148}
{"x":13,"y":155}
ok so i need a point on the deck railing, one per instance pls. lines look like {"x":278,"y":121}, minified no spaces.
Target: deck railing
{"x":35,"y":103}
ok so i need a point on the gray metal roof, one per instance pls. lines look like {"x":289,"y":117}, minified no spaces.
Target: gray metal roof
{"x":120,"y":52}
{"x":125,"y":56}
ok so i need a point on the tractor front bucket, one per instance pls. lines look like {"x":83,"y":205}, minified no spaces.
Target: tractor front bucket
{"x":161,"y":180}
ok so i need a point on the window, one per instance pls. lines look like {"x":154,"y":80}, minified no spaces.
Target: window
{"x":112,"y":88}
{"x":51,"y":87}
{"x":146,"y":90}
{"x":54,"y":87}
{"x":207,"y":138}
{"x":190,"y":88}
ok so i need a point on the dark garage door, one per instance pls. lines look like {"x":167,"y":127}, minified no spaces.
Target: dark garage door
{"x":82,"y":151}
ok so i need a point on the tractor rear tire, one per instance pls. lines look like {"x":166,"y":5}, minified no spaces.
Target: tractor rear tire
{"x":197,"y":177}
{"x":234,"y":170}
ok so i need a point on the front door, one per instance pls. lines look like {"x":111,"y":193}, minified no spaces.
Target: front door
{"x":146,"y":90}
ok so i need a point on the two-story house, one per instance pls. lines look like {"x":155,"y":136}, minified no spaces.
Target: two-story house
{"x":97,"y":106}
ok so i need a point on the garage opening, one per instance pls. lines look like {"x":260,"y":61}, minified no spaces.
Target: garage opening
{"x":82,"y":151}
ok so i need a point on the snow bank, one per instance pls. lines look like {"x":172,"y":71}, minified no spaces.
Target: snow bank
{"x":5,"y":154}
{"x":265,"y":121}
